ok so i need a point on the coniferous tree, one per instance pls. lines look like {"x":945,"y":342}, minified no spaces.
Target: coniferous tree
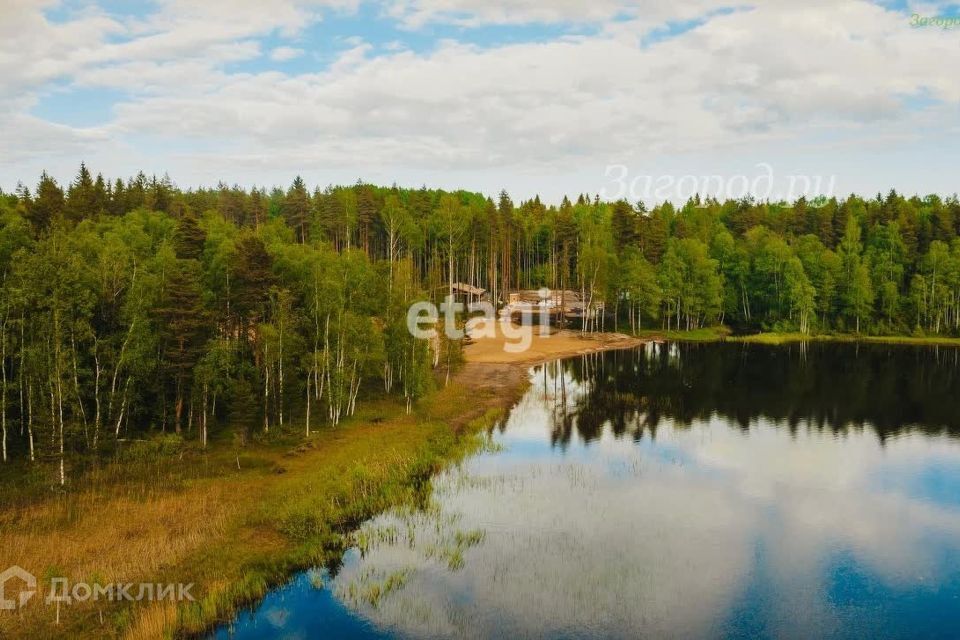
{"x":623,"y":224}
{"x":366,"y":213}
{"x":48,"y":204}
{"x":251,"y":279}
{"x":81,"y":196}
{"x":118,"y":199}
{"x":184,"y":328}
{"x":189,"y":239}
{"x":296,"y":209}
{"x":166,"y":306}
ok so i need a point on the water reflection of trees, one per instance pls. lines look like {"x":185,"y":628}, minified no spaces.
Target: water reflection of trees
{"x":826,"y":385}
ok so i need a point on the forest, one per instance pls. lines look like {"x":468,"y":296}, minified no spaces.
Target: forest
{"x":133,"y":307}
{"x":839,"y":388}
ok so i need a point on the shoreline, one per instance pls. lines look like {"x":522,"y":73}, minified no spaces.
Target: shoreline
{"x":240,"y":522}
{"x":557,"y":345}
{"x":489,"y":384}
{"x":774,"y":338}
{"x":487,"y":368}
{"x":723,"y":334}
{"x":491,"y":387}
{"x":239,"y":533}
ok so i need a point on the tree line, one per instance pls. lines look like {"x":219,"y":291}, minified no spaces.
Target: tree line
{"x":134,"y":306}
{"x":822,"y":386}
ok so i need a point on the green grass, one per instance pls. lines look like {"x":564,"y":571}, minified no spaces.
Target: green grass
{"x":191,"y":516}
{"x":787,"y":338}
{"x":723,"y":334}
{"x":771,"y":338}
{"x":705,"y":334}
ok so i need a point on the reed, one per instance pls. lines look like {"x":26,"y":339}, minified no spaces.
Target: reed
{"x":233,"y":523}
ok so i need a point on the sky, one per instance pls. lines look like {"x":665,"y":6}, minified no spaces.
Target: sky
{"x":545,"y":97}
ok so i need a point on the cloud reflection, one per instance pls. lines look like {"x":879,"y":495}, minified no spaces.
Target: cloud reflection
{"x":701,"y":531}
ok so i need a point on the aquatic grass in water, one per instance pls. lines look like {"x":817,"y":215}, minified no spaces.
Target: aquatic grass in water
{"x":785,"y":491}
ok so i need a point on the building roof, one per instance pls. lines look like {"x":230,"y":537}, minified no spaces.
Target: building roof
{"x":462,"y":287}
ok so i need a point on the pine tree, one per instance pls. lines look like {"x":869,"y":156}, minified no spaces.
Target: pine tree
{"x":251,"y":278}
{"x":189,"y":238}
{"x":184,"y":328}
{"x":118,"y":199}
{"x":48,"y":204}
{"x":158,"y":194}
{"x":296,"y":209}
{"x":257,"y":211}
{"x":136,"y":196}
{"x":366,"y":213}
{"x":623,"y":223}
{"x":654,"y":230}
{"x":101,"y":195}
{"x":81,"y":198}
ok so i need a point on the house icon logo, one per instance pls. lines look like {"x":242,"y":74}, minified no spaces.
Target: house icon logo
{"x":25,"y":593}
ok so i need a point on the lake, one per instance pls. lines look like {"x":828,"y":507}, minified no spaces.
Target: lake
{"x":675,"y":491}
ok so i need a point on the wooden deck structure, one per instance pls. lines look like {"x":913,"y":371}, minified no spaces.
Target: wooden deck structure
{"x":532,"y":304}
{"x":545,"y":303}
{"x":467,"y":293}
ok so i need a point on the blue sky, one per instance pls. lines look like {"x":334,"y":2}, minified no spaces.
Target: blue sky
{"x":530,"y":96}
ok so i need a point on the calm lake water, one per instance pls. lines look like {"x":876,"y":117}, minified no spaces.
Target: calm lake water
{"x":675,"y":491}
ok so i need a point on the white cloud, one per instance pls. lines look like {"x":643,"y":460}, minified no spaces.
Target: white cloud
{"x":648,"y":521}
{"x":282,"y":54}
{"x":416,"y":13}
{"x":25,"y":137}
{"x":738,"y":76}
{"x":34,"y":51}
{"x":778,"y":73}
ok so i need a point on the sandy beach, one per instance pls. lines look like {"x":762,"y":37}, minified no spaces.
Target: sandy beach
{"x":499,"y":377}
{"x":559,"y":344}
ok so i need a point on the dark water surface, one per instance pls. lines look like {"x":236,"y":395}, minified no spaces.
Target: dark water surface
{"x":676,"y":491}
